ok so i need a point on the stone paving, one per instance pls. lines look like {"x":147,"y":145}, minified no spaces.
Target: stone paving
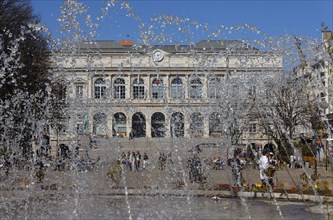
{"x":180,"y":151}
{"x":104,"y":151}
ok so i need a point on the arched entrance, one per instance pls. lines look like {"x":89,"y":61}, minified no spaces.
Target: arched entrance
{"x":119,"y":125}
{"x":100,"y":124}
{"x":138,"y":125}
{"x":157,"y":125}
{"x":215,"y":125}
{"x":177,"y":125}
{"x":270,"y":147}
{"x":196,"y":124}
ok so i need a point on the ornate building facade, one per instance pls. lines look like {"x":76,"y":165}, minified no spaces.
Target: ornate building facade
{"x":117,"y":89}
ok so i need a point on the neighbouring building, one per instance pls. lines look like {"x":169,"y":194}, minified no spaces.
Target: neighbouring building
{"x":319,"y":71}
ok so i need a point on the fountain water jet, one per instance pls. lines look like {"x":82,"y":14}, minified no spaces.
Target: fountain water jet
{"x":207,"y":56}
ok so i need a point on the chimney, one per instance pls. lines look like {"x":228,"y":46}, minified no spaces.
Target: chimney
{"x":327,"y":35}
{"x":126,"y":43}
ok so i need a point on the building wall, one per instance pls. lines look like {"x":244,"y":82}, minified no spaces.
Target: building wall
{"x":85,"y":69}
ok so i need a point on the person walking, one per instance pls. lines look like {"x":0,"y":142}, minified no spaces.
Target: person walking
{"x":137,"y":160}
{"x":133,"y":162}
{"x":266,"y":169}
{"x":195,"y":168}
{"x":263,"y":164}
{"x":128,"y":161}
{"x":236,"y":164}
{"x":292,"y":162}
{"x":145,"y":160}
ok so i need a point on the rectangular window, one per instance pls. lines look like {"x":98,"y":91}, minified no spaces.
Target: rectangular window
{"x":79,"y":91}
{"x":79,"y":128}
{"x":253,"y":128}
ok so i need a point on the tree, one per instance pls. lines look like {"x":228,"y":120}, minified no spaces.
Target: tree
{"x":283,"y":108}
{"x":24,"y":75}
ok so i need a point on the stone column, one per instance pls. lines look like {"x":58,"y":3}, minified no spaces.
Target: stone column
{"x":187,"y":121}
{"x":206,"y":125}
{"x":204,"y":88}
{"x":148,"y":125}
{"x":186,"y":86}
{"x":108,"y":83}
{"x":128,"y":87}
{"x":147,"y":79}
{"x":166,"y":84}
{"x":89,"y":87}
{"x":129,"y":123}
{"x":167,"y":125}
{"x":109,"y":124}
{"x":91,"y":124}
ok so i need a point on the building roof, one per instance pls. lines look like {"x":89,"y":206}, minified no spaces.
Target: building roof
{"x":204,"y":46}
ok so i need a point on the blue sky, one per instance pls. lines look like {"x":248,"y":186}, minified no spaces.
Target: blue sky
{"x":272,"y":17}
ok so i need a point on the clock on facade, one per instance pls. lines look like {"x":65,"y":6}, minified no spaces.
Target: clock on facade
{"x":158,"y":56}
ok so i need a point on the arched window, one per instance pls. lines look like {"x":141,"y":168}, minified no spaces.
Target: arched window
{"x":157,"y":125}
{"x":100,"y":124}
{"x":119,"y":125}
{"x":177,"y":89}
{"x":100,"y":88}
{"x":196,"y":125}
{"x":157,"y":88}
{"x":138,"y":88}
{"x":195,"y":88}
{"x":119,"y":88}
{"x":214,"y":88}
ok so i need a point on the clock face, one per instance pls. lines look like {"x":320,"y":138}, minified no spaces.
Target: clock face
{"x":158,"y":56}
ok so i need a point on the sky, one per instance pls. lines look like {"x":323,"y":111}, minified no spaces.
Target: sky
{"x":275,"y":18}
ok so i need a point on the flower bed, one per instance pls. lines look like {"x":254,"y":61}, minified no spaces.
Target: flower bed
{"x":263,"y":188}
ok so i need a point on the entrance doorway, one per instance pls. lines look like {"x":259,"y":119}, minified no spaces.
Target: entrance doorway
{"x":157,"y":125}
{"x":177,"y":125}
{"x":138,"y":125}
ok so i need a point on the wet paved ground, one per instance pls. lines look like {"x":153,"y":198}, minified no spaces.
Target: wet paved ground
{"x":152,"y":207}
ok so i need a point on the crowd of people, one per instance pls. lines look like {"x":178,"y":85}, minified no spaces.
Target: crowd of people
{"x":133,"y":161}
